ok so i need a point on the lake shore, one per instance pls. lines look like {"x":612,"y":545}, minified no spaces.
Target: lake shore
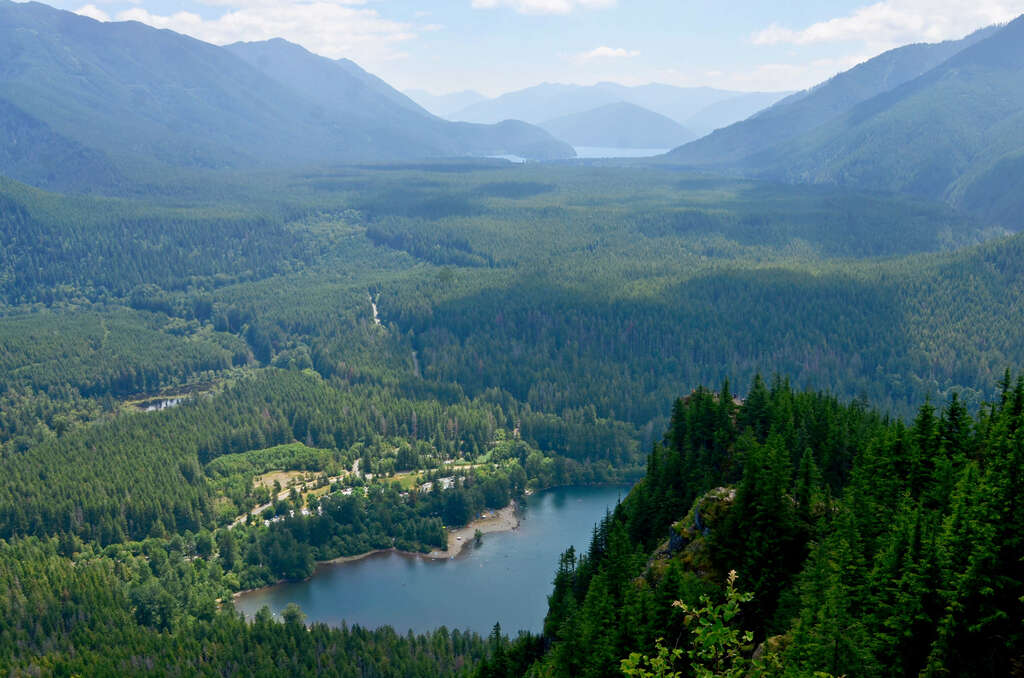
{"x":506,"y":579}
{"x":502,"y":520}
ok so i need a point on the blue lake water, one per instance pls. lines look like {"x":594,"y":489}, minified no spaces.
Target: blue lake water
{"x":506,"y":579}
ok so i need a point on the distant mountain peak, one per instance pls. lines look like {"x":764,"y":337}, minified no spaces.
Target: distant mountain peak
{"x":120,"y":95}
{"x":546,"y":101}
{"x":619,"y":124}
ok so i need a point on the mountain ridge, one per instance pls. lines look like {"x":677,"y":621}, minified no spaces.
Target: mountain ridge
{"x":804,"y":111}
{"x":546,"y":101}
{"x":144,"y":100}
{"x":938,"y":136}
{"x":952,"y":132}
{"x":332,"y":85}
{"x":618,"y":125}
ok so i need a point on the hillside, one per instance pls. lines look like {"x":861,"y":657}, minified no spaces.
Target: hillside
{"x":266,"y":322}
{"x":139,"y":99}
{"x":566,"y":304}
{"x":30,"y":149}
{"x":955,"y":133}
{"x":393,"y":121}
{"x":739,"y":144}
{"x":620,"y":125}
{"x":790,"y":535}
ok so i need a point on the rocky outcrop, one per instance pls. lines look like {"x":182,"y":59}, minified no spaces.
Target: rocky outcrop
{"x":689,"y":538}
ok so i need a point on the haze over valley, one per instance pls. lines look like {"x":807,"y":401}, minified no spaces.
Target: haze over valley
{"x":340,"y":339}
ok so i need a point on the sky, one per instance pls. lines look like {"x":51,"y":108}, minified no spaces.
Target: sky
{"x":495,"y":46}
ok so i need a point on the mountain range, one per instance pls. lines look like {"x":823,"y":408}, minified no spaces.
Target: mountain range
{"x":942,"y":121}
{"x":619,"y":125}
{"x":699,"y":109}
{"x":91,"y":106}
{"x":85,"y":104}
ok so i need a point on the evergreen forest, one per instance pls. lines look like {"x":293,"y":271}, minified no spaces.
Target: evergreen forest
{"x":265,"y":319}
{"x":199,"y":400}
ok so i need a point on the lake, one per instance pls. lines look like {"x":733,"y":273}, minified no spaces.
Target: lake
{"x":596,"y":152}
{"x":506,"y":579}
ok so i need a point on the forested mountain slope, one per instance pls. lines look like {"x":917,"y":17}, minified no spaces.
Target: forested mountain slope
{"x":532,"y":327}
{"x":334,"y":84}
{"x":937,"y":121}
{"x":574,"y":299}
{"x":388,"y":117}
{"x":561,"y":289}
{"x":145,"y":99}
{"x":30,"y":149}
{"x":941,"y":135}
{"x":620,"y":125}
{"x":560,"y":268}
{"x":870,"y":547}
{"x":800,"y":113}
{"x":305,"y":324}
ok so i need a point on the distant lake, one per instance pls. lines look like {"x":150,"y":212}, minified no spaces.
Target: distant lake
{"x":610,"y":152}
{"x":507,"y":579}
{"x":518,"y":159}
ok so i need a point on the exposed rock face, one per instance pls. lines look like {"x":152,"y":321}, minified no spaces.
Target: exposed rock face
{"x":688,"y":538}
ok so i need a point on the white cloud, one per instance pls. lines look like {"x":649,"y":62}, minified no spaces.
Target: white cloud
{"x":895,"y":22}
{"x":238,"y":4}
{"x":333,"y":29}
{"x":544,"y":6}
{"x":93,"y":12}
{"x":604,"y":52}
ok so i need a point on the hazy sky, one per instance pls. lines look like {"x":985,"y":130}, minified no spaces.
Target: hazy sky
{"x":500,"y":45}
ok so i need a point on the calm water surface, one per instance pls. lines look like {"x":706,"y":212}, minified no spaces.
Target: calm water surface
{"x":507,"y":579}
{"x":595,"y":152}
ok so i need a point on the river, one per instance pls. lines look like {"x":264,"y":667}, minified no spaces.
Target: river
{"x":506,"y":579}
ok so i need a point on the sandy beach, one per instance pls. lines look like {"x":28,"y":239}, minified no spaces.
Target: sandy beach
{"x":502,"y":520}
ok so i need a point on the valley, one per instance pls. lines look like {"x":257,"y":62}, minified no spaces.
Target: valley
{"x":508,"y":329}
{"x":299,"y":378}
